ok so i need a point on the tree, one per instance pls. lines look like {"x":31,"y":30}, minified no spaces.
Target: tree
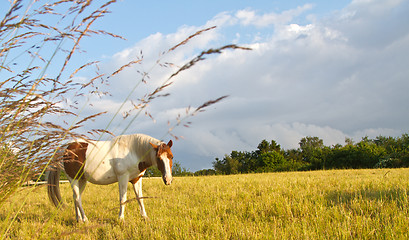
{"x":264,"y":146}
{"x":402,"y":145}
{"x":178,"y":170}
{"x":245,"y":161}
{"x":368,"y":154}
{"x":232,"y":165}
{"x":349,"y":141}
{"x":308,"y":143}
{"x":312,"y":152}
{"x":269,"y":161}
{"x":153,"y":172}
{"x":236,"y":162}
{"x":219,"y":166}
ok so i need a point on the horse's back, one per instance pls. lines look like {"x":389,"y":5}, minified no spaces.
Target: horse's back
{"x":105,"y":160}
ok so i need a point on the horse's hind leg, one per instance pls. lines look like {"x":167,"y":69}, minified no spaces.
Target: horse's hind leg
{"x":78,"y":187}
{"x":123,"y":185}
{"x":137,"y":187}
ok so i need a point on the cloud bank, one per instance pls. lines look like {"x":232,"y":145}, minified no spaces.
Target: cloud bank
{"x":345,"y":75}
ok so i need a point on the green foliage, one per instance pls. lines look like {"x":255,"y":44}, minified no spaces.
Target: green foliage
{"x":265,"y":147}
{"x":229,"y":164}
{"x":397,"y":151}
{"x":205,"y":172}
{"x":267,"y":158}
{"x":312,"y":152}
{"x":268,"y":161}
{"x":314,"y":155}
{"x":153,"y":172}
{"x":310,"y":143}
{"x":178,"y":170}
{"x":232,"y":164}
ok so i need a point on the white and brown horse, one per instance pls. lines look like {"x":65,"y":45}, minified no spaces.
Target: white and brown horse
{"x":123,"y":159}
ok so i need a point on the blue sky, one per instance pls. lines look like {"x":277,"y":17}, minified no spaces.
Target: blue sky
{"x":331,"y":69}
{"x":135,"y":20}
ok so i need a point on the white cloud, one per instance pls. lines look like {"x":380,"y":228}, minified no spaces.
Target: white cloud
{"x":333,"y":78}
{"x":248,"y":17}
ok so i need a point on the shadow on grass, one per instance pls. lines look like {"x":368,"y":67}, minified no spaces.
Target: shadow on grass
{"x":345,"y":197}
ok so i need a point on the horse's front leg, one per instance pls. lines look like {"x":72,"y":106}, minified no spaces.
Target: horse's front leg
{"x":123,"y":184}
{"x":137,"y":187}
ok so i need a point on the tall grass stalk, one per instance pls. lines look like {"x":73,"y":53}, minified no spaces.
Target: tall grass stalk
{"x":29,"y":96}
{"x":38,"y":41}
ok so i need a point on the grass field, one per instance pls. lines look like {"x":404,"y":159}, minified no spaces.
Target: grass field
{"x":340,"y":204}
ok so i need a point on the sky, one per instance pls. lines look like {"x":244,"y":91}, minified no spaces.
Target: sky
{"x":331,"y":69}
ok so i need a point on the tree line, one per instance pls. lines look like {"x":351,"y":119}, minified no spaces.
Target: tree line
{"x":312,"y":154}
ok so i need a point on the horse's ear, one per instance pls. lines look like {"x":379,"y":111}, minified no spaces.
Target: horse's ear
{"x":154,"y":146}
{"x":170,"y":143}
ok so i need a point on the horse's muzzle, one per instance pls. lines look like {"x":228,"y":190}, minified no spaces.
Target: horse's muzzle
{"x":167,"y":180}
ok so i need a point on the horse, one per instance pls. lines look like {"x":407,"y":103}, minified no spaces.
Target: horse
{"x":123,"y":159}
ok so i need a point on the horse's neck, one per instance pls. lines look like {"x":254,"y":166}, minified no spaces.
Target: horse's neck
{"x":139,"y":144}
{"x":147,"y":156}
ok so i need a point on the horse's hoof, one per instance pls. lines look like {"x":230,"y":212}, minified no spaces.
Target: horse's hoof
{"x":82,"y":220}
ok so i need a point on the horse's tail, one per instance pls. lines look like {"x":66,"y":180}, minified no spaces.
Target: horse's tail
{"x":53,"y":186}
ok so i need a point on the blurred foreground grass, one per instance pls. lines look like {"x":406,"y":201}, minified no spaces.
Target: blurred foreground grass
{"x":339,"y":204}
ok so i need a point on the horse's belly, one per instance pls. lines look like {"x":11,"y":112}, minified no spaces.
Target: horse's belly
{"x":100,"y":171}
{"x":101,"y":176}
{"x":98,"y":167}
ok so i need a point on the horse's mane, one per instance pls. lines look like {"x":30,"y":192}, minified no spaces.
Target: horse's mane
{"x":136,"y":143}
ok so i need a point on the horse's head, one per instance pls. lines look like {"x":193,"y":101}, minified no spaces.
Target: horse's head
{"x":164,"y":159}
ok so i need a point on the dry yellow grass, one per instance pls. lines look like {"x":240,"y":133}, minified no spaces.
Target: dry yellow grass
{"x":341,"y":204}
